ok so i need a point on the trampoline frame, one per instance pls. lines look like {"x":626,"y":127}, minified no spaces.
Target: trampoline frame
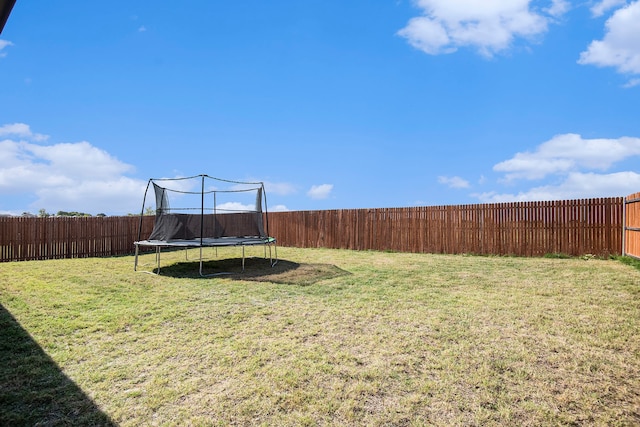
{"x":208,"y":243}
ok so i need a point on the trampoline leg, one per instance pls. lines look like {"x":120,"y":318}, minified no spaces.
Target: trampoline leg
{"x":158,"y":259}
{"x":243,"y":258}
{"x":275,"y":250}
{"x":135,"y":263}
{"x":202,"y":275}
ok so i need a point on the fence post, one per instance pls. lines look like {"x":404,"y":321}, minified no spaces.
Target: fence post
{"x":624,"y":226}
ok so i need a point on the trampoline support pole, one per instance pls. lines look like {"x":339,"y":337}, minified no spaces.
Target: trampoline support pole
{"x":201,"y":262}
{"x":275,"y":249}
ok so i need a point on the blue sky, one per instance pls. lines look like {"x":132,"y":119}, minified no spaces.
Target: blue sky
{"x":333,"y":104}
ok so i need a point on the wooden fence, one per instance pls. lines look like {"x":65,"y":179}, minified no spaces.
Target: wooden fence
{"x":632,"y":225}
{"x":23,"y":238}
{"x":574,"y":227}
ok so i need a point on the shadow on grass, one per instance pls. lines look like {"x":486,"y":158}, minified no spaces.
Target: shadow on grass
{"x":33,"y":389}
{"x":257,"y":270}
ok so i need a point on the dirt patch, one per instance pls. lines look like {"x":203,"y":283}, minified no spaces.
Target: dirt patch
{"x":257,"y":270}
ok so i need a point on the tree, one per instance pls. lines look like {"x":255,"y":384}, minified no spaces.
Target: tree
{"x":42,"y":213}
{"x":65,"y":213}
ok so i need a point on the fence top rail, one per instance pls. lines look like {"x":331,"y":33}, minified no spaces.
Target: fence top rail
{"x":632,"y":198}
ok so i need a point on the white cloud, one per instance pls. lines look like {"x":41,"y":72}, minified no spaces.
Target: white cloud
{"x":235,"y":207}
{"x":566,"y":153}
{"x":320,"y":191}
{"x":632,"y":83}
{"x":576,"y":185}
{"x":64,"y":176}
{"x":620,"y":47}
{"x":279,"y":188}
{"x":490,"y":26}
{"x":578,"y":168}
{"x":604,"y":6}
{"x":453,"y":182}
{"x":3,"y":44}
{"x":79,"y":159}
{"x":116,"y":196}
{"x":279,"y":208}
{"x":21,"y":130}
{"x":558,"y":7}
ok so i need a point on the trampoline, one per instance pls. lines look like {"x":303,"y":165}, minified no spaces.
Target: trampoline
{"x":202,"y":211}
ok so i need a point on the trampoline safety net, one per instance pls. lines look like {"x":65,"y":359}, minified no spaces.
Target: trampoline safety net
{"x":202,"y":211}
{"x":201,"y":208}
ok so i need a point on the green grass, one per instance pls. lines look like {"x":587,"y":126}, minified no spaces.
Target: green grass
{"x":634,"y":262}
{"x":326,"y":337}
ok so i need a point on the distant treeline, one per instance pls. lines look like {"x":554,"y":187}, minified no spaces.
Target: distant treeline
{"x":63,"y":213}
{"x":42,"y":213}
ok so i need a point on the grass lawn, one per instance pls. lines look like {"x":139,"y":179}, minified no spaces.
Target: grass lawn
{"x":326,"y":337}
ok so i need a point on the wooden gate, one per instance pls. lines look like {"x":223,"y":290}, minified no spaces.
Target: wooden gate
{"x":631,"y":243}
